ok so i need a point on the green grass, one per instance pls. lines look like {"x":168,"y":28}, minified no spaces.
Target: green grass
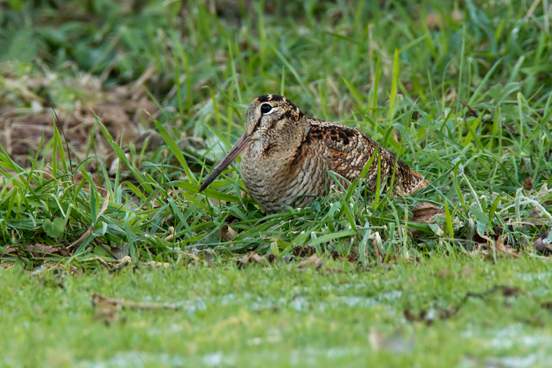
{"x":465,"y":99}
{"x":281,"y":316}
{"x":461,"y":90}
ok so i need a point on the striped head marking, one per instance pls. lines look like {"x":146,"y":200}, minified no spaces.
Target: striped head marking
{"x":274,"y":126}
{"x":268,"y":112}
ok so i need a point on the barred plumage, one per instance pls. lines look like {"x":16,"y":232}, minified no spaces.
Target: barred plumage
{"x":287,"y":156}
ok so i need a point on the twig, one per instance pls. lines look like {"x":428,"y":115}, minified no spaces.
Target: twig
{"x":100,"y":300}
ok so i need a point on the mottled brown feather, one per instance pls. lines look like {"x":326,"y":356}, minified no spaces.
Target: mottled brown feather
{"x":347,"y":150}
{"x":287,"y":156}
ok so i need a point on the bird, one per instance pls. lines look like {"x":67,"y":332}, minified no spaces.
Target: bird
{"x":287,"y":157}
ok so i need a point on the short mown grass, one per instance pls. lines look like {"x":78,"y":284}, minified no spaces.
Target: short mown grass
{"x":283,"y":316}
{"x":462,"y":91}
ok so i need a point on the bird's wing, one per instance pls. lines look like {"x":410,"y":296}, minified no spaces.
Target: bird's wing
{"x":347,"y":150}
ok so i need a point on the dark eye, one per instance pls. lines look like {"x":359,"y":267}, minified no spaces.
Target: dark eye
{"x":265,"y":108}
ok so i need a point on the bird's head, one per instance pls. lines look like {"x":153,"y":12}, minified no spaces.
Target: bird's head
{"x":274,"y":126}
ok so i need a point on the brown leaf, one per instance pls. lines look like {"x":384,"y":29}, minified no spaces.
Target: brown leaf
{"x":43,"y":249}
{"x":497,"y":245}
{"x":312,"y":262}
{"x":107,"y":309}
{"x":9,"y":249}
{"x":120,"y":264}
{"x":227,"y":233}
{"x":426,"y":212}
{"x":303,"y":251}
{"x":504,"y":248}
{"x":510,"y":291}
{"x":420,"y":316}
{"x":122,"y":109}
{"x":271,"y":258}
{"x":249,"y":258}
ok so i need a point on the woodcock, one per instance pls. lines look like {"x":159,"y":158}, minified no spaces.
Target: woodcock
{"x":287,"y":156}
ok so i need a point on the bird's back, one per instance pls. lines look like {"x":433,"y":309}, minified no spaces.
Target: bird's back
{"x":347,"y":150}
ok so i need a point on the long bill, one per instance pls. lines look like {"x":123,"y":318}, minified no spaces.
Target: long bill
{"x":227,"y":160}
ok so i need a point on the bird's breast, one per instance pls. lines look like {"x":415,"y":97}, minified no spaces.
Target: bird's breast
{"x":280,"y":182}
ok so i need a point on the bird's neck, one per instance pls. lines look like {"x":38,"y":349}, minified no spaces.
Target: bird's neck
{"x":272,"y":156}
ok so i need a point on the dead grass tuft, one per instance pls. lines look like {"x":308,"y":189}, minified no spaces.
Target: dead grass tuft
{"x":27,"y":119}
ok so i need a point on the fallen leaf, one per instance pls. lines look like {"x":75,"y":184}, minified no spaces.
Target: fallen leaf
{"x":502,"y":247}
{"x":497,"y":245}
{"x":9,"y":249}
{"x":107,"y":309}
{"x":312,"y":262}
{"x":227,"y":233}
{"x":43,"y":249}
{"x":426,"y":212}
{"x":510,"y":291}
{"x":304,"y":251}
{"x":122,"y":109}
{"x":120,"y":264}
{"x":249,"y":258}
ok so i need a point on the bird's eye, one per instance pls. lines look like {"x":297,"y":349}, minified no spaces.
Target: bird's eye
{"x":265,"y":108}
